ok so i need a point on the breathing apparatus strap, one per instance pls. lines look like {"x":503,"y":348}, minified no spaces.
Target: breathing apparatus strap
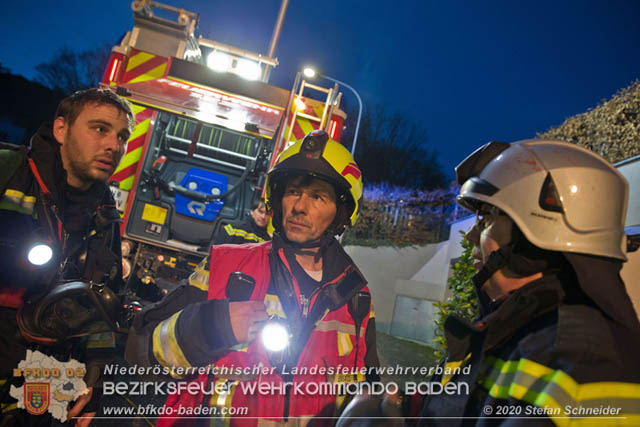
{"x":47,"y":196}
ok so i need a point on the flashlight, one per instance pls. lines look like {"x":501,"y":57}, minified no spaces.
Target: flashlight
{"x":40,"y":254}
{"x":275,"y":336}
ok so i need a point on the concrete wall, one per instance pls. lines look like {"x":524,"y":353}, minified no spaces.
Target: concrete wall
{"x":631,"y":275}
{"x":630,"y":168}
{"x":404,"y":282}
{"x":382,"y":267}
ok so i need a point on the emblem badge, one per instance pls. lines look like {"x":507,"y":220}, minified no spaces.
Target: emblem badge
{"x":36,"y":398}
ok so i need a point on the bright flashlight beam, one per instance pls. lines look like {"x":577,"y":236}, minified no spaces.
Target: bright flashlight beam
{"x":40,"y":254}
{"x":275,"y":337}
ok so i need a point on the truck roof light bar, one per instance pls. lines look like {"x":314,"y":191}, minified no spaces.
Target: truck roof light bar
{"x":237,"y":51}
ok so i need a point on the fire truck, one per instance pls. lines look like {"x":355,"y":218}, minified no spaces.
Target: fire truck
{"x":208,"y":127}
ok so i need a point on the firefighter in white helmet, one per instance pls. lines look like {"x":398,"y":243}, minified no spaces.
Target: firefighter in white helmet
{"x":556,"y":337}
{"x":557,"y":334}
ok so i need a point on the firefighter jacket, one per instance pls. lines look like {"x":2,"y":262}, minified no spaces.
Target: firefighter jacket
{"x":82,"y":228}
{"x":195,"y":331}
{"x":546,"y":351}
{"x":246,"y":231}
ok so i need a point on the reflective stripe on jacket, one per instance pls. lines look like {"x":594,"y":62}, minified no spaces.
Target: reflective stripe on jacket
{"x":535,"y":356}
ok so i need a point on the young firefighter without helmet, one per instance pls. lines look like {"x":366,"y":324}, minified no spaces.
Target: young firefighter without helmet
{"x":318,"y":156}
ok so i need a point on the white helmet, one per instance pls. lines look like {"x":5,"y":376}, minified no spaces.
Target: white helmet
{"x":561,"y":196}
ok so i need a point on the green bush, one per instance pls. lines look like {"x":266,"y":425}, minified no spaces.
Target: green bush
{"x":463,"y":300}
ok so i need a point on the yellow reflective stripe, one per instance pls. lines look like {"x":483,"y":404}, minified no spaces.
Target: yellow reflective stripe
{"x":200,"y":276}
{"x":336,"y":325}
{"x":154,"y":73}
{"x":127,"y":183}
{"x":14,"y":200}
{"x":130,"y":158}
{"x":449,"y":368}
{"x":305,"y":125}
{"x":140,"y":129}
{"x":165,"y":345}
{"x":273,"y":306}
{"x":344,"y":344}
{"x":223,"y":399}
{"x":137,"y":108}
{"x":544,"y":387}
{"x":242,"y":233}
{"x":14,"y":194}
{"x":138,"y":59}
{"x":15,"y":208}
{"x":6,"y":407}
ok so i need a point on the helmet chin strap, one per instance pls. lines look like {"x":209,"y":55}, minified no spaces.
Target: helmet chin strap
{"x":496,"y":260}
{"x":307,"y":248}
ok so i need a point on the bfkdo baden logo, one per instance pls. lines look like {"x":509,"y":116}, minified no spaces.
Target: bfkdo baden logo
{"x":50,"y":386}
{"x":36,"y":397}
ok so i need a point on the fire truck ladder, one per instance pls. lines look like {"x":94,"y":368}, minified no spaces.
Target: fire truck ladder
{"x":329,"y":104}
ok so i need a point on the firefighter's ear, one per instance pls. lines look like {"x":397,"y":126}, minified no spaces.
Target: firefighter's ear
{"x":59,"y":129}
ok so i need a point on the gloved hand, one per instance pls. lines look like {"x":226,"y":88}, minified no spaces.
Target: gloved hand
{"x":247,"y":318}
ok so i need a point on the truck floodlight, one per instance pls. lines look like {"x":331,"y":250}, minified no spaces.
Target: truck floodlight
{"x":248,"y":69}
{"x":40,"y":254}
{"x":275,"y":336}
{"x":219,"y":61}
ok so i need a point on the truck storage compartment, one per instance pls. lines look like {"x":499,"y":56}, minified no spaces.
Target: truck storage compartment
{"x":187,"y":165}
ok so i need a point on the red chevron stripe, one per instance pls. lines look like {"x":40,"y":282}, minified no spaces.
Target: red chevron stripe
{"x":144,"y":68}
{"x":144,"y":115}
{"x":298,"y":133}
{"x":126,"y":172}
{"x":136,"y":143}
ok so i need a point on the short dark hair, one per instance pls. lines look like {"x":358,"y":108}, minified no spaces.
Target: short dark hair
{"x":70,"y":107}
{"x":257,"y":203}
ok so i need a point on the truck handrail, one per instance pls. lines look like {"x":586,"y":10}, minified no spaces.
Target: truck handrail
{"x":209,"y":147}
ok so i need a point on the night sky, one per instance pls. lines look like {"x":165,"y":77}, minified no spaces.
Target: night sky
{"x":468,"y":71}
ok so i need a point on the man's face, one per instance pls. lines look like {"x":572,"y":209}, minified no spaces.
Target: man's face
{"x":490,"y":233}
{"x":260,"y":216}
{"x":308,"y":210}
{"x":93,"y":145}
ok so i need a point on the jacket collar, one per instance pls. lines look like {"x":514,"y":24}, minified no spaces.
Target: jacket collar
{"x":522,"y":307}
{"x":44,"y":148}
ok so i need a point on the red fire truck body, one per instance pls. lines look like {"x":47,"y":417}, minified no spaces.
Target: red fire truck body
{"x":205,"y":136}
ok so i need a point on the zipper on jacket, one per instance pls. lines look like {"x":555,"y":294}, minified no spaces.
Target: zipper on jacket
{"x":305,"y":305}
{"x":287,"y":398}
